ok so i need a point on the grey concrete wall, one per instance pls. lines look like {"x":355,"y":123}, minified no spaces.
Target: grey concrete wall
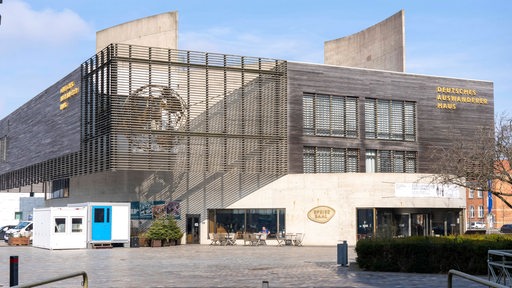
{"x":381,"y":46}
{"x":154,"y":31}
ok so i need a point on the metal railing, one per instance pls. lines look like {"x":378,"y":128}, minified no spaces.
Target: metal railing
{"x":499,"y":266}
{"x":472,"y":278}
{"x":85,"y":280}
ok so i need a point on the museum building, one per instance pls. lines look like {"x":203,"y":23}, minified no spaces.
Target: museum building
{"x":224,"y":143}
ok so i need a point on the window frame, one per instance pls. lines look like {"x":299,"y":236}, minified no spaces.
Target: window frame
{"x":330,"y":160}
{"x":393,"y":120}
{"x":330,"y":115}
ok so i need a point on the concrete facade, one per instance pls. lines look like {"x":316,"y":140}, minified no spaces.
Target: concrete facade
{"x":381,"y":46}
{"x":344,"y":193}
{"x":155,"y":31}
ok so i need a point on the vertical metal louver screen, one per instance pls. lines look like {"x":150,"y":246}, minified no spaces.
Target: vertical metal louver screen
{"x":157,"y":109}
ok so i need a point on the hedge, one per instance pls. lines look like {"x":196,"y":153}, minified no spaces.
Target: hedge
{"x":419,"y":254}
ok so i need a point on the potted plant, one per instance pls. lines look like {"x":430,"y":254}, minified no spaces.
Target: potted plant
{"x":164,"y":229}
{"x":174,"y":232}
{"x":156,"y":233}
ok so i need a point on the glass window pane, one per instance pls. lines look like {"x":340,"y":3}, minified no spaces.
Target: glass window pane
{"x":369,"y":115}
{"x":76,"y":225}
{"x":352,"y":160}
{"x":308,"y":116}
{"x":323,"y":160}
{"x":398,"y":162}
{"x":410,"y":121}
{"x":60,"y":225}
{"x":364,"y":223}
{"x":338,"y":161}
{"x":370,"y":161}
{"x":322,"y":113}
{"x":397,"y":115}
{"x":351,"y":117}
{"x":382,"y":119}
{"x":99,"y":215}
{"x":338,"y":116}
{"x":384,"y":161}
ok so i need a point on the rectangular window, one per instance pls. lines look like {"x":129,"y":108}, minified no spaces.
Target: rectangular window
{"x":479,"y":194}
{"x":242,"y":221}
{"x":3,"y":149}
{"x":472,"y":211}
{"x":471,"y":193}
{"x":371,"y":161}
{"x":389,"y":161}
{"x":365,"y":225}
{"x":329,"y":115}
{"x":60,"y":189}
{"x":390,"y":119}
{"x":76,"y":225}
{"x":330,"y":160}
{"x":60,"y":225}
{"x":481,"y":211}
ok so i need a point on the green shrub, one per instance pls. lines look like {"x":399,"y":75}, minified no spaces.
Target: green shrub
{"x":164,"y":229}
{"x":420,"y":254}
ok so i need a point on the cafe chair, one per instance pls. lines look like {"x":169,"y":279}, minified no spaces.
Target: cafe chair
{"x":213,"y":238}
{"x":231,"y":239}
{"x":298,"y":239}
{"x":262,"y":240}
{"x":247,"y":238}
{"x":280,"y":240}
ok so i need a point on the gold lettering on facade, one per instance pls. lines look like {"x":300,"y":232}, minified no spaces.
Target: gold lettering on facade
{"x":321,"y":214}
{"x":448,"y":97}
{"x":67,"y":91}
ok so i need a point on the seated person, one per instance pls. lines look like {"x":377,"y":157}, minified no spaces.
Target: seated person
{"x":264,"y":230}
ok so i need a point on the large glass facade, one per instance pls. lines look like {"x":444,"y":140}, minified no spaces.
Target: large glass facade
{"x":246,"y":221}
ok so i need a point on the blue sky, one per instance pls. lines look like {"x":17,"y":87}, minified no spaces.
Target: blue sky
{"x":41,"y":41}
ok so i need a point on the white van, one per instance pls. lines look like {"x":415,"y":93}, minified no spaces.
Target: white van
{"x":24,"y":228}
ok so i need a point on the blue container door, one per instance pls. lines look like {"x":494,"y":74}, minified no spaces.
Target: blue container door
{"x":101,"y":223}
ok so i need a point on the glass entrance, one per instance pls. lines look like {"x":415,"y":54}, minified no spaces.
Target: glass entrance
{"x":420,"y":225}
{"x":403,"y":225}
{"x":193,"y":228}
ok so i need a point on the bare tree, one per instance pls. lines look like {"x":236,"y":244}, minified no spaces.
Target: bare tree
{"x":482,"y":164}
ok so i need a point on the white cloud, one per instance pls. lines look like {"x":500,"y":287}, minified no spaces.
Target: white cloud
{"x":21,"y":25}
{"x":35,"y":47}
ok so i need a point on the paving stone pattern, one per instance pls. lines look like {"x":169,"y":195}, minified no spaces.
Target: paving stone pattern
{"x":206,"y":266}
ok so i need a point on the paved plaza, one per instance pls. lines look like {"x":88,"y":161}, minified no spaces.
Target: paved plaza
{"x":205,"y":266}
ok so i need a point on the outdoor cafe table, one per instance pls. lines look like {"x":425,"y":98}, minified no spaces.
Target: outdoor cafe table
{"x":288,"y":238}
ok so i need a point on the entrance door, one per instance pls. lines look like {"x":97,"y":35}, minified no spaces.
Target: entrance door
{"x":420,"y":225}
{"x":101,"y":223}
{"x":403,"y":225}
{"x":193,"y":228}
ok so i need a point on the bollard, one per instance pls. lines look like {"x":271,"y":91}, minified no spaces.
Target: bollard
{"x":13,"y":271}
{"x":343,"y":253}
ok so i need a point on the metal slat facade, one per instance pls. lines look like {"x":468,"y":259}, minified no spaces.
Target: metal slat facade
{"x":155,"y":109}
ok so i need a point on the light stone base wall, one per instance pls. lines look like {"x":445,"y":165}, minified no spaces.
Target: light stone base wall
{"x":299,"y":193}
